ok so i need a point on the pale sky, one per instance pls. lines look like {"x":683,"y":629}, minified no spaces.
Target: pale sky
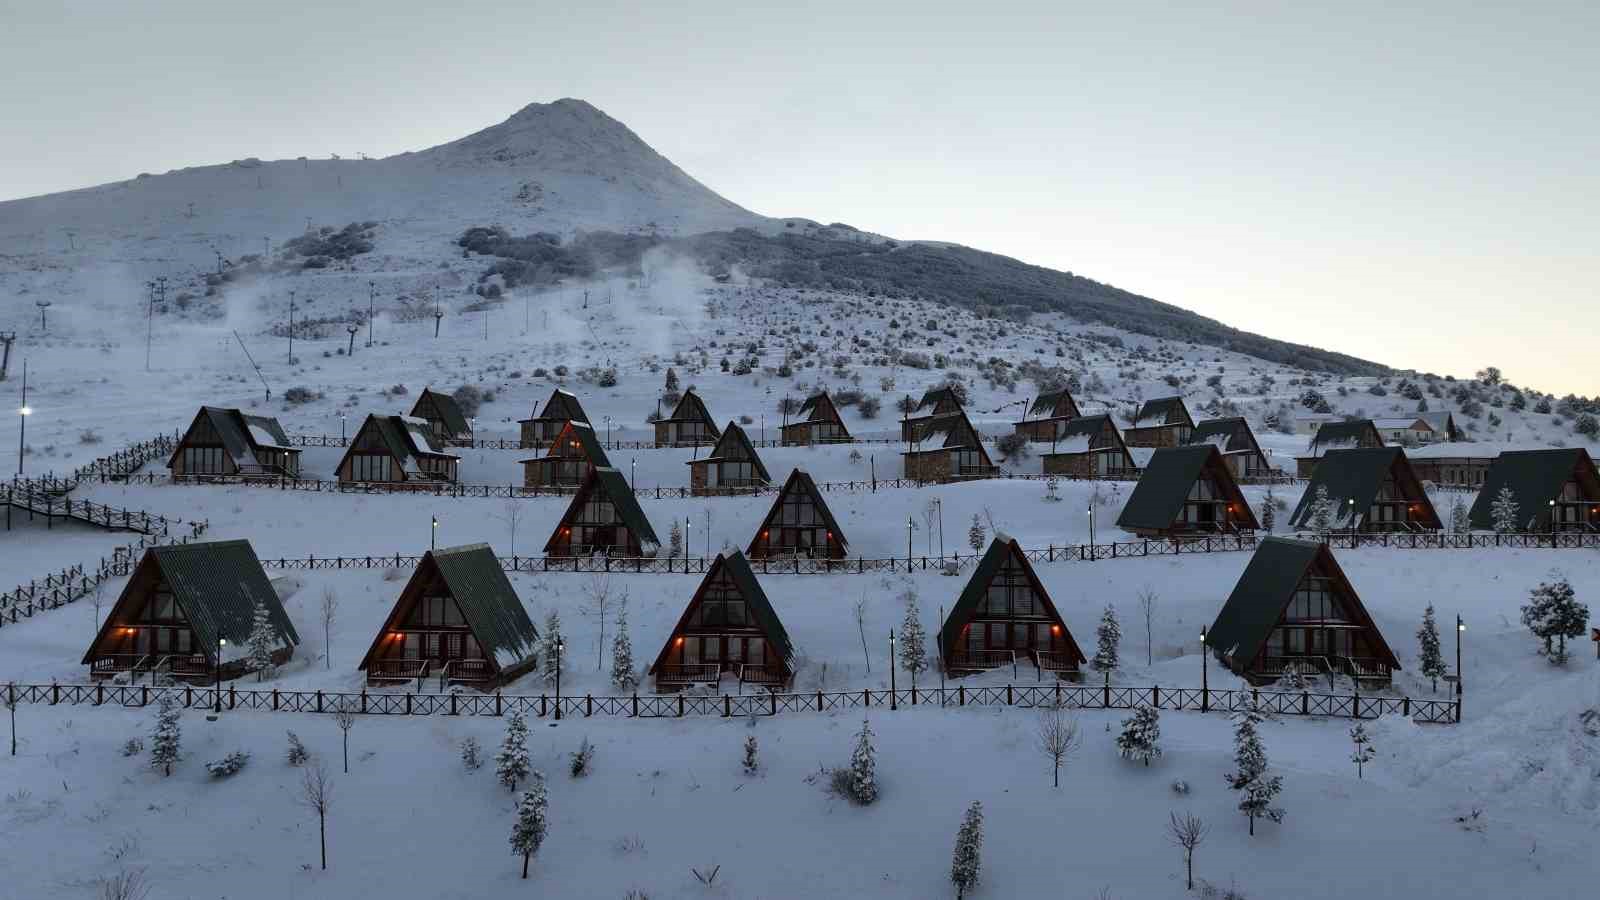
{"x":1417,"y":186}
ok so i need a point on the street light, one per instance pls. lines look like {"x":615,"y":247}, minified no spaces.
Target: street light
{"x":1205,"y":672}
{"x":341,"y":428}
{"x":1460,"y":628}
{"x":1352,"y":504}
{"x":372,"y":292}
{"x":633,"y":471}
{"x":909,"y":526}
{"x":608,"y":434}
{"x":1091,"y":528}
{"x":23,"y":413}
{"x":433,"y":536}
{"x":891,"y":669}
{"x":561,"y":645}
{"x":221,"y":642}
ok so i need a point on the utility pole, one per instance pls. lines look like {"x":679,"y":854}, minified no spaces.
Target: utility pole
{"x":437,"y":315}
{"x":6,"y":338}
{"x":22,"y":431}
{"x":352,"y":329}
{"x":43,"y":305}
{"x":219,"y":260}
{"x":158,"y":293}
{"x":372,"y":292}
{"x":291,"y":328}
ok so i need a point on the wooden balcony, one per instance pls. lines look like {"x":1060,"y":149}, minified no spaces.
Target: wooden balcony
{"x":397,"y":671}
{"x":1055,"y":662}
{"x":465,"y":671}
{"x":981,"y":661}
{"x":1368,"y":669}
{"x":685,"y":674}
{"x":762,"y":675}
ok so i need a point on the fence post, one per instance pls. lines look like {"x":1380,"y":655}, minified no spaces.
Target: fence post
{"x":408,"y":703}
{"x":1405,"y":707}
{"x":727,"y":706}
{"x":363,"y":700}
{"x":772,"y":702}
{"x":144,"y":695}
{"x":1255,"y":697}
{"x":1305,"y":703}
{"x":99,"y":693}
{"x":636,"y":704}
{"x":1357,"y":693}
{"x":319,"y":700}
{"x":274,"y":699}
{"x":542,"y":708}
{"x":961,"y":695}
{"x":1155,"y":696}
{"x":680,"y":704}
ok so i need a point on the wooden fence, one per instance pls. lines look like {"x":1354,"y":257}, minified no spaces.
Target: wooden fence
{"x":682,"y":705}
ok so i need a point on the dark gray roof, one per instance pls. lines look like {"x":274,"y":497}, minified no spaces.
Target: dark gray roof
{"x":1046,"y":403}
{"x":563,"y":405}
{"x":234,"y":429}
{"x":691,"y":408}
{"x":592,"y":447}
{"x":1208,"y":431}
{"x":1087,"y":425}
{"x":1162,"y":411}
{"x":448,"y":411}
{"x":615,"y":487}
{"x":217,"y":584}
{"x":488,"y":602}
{"x":948,"y":430}
{"x":1347,"y":434}
{"x":812,"y":402}
{"x":936,"y":396}
{"x":1357,"y":474}
{"x":766,"y":618}
{"x":800,"y":481}
{"x":1265,"y":588}
{"x":1157,"y":500}
{"x":735,"y":444}
{"x":1001,"y":549}
{"x":1535,"y":477}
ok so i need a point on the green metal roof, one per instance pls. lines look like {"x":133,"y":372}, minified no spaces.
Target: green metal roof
{"x":563,"y":405}
{"x":1001,"y":549}
{"x":1265,"y":589}
{"x":1046,"y":403}
{"x":1208,"y":431}
{"x":1157,"y":500}
{"x":761,"y":610}
{"x":1535,"y":477}
{"x":1357,"y":474}
{"x":217,"y":584}
{"x":488,"y":602}
{"x":691,"y":408}
{"x":801,"y":480}
{"x":610,"y":482}
{"x":936,"y":396}
{"x":735,"y":444}
{"x":448,"y":411}
{"x":1344,"y":435}
{"x":1164,"y":411}
{"x":592,"y":447}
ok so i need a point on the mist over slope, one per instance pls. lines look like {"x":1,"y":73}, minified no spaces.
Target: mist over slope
{"x":562,"y":171}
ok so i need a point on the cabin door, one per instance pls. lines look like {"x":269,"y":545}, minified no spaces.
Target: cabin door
{"x":713,"y":474}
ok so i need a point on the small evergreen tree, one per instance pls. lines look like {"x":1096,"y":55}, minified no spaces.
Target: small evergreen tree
{"x":1321,"y":510}
{"x":1257,"y":789}
{"x":1364,"y":751}
{"x":1554,"y":614}
{"x":471,"y":754}
{"x":751,"y":763}
{"x":511,"y":763}
{"x":297,"y":751}
{"x":581,"y":759}
{"x":1108,"y":636}
{"x":1430,"y":659}
{"x":967,"y":860}
{"x":1141,"y":735}
{"x":913,"y":640}
{"x":1504,"y":511}
{"x":262,"y":641}
{"x":549,"y":659}
{"x":864,"y":768}
{"x":672,"y":380}
{"x":532,"y":821}
{"x":623,"y":673}
{"x":975,"y":534}
{"x":1269,"y":512}
{"x":167,"y":738}
{"x":1460,"y":518}
{"x":675,"y":541}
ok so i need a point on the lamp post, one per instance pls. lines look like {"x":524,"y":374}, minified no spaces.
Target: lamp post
{"x":291,"y":328}
{"x":1351,"y":503}
{"x":561,"y":645}
{"x":433,"y":534}
{"x":341,"y":429}
{"x":1205,"y":673}
{"x":909,"y":526}
{"x":372,"y":292}
{"x":1552,"y":522}
{"x":688,"y":536}
{"x":1460,"y":627}
{"x":472,"y":428}
{"x":352,"y":329}
{"x":938,"y":504}
{"x":891,"y":669}
{"x":608,"y":434}
{"x":23,"y":412}
{"x":1091,"y":529}
{"x":633,"y":472}
{"x":221,"y":642}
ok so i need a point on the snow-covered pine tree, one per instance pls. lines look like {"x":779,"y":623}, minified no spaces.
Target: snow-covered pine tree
{"x":864,"y":768}
{"x":1431,"y":662}
{"x":751,"y":762}
{"x":297,"y":751}
{"x":262,"y":641}
{"x":1256,"y":788}
{"x":167,"y":738}
{"x":1141,"y":735}
{"x":913,"y":640}
{"x":672,"y":379}
{"x":1321,"y":510}
{"x":623,"y":673}
{"x":1554,"y":614}
{"x":1504,"y":511}
{"x":1108,"y":636}
{"x":532,"y":821}
{"x":471,"y":754}
{"x":1460,"y":517}
{"x":675,"y":541}
{"x":549,"y":659}
{"x":967,"y":861}
{"x":1269,"y":512}
{"x":975,"y":534}
{"x":511,"y":763}
{"x":1364,"y":751}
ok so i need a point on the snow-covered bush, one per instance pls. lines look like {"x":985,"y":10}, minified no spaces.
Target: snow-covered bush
{"x":1108,"y":637}
{"x":1257,"y":789}
{"x":1504,"y":511}
{"x":1554,"y":614}
{"x":167,"y":738}
{"x":751,"y":761}
{"x":966,"y":861}
{"x":581,"y":759}
{"x":511,"y":763}
{"x":297,"y":751}
{"x":532,"y":821}
{"x":228,"y":765}
{"x":859,"y":782}
{"x":133,"y":747}
{"x":1141,"y":735}
{"x":471,"y":754}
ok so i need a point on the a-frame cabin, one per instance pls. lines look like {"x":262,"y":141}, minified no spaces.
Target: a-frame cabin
{"x":728,"y":626}
{"x":1089,"y":447}
{"x":397,"y":449}
{"x":186,"y":606}
{"x":1052,"y":412}
{"x":690,"y":424}
{"x":948,"y":449}
{"x":543,"y":428}
{"x":935,"y":403}
{"x":1370,"y":490}
{"x":1162,"y":422}
{"x":733,"y":467}
{"x":799,"y":524}
{"x":819,"y":423}
{"x":1005,"y":615}
{"x":457,"y":619}
{"x":1237,"y":442}
{"x":1187,"y":492}
{"x":568,"y":461}
{"x":443,"y":416}
{"x":1294,"y":610}
{"x":1355,"y":434}
{"x":1555,"y":490}
{"x":229,"y":442}
{"x":604,"y":517}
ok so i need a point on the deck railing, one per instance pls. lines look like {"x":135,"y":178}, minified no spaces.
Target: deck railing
{"x":689,"y":673}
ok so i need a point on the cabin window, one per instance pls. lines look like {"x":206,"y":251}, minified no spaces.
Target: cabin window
{"x":204,"y":461}
{"x":412,"y":645}
{"x":371,"y":467}
{"x":755,"y":652}
{"x":1315,"y":601}
{"x":966,"y":460}
{"x":798,"y":510}
{"x":598,"y":510}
